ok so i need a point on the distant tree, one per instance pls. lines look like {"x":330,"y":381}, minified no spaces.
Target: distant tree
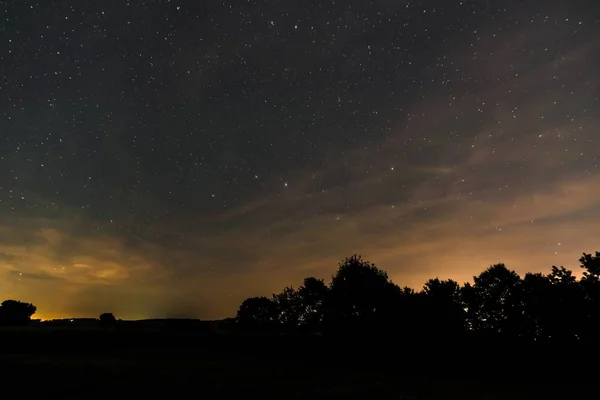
{"x":493,"y":301}
{"x":13,"y":312}
{"x":361,"y":296}
{"x":107,"y":319}
{"x":259,"y":312}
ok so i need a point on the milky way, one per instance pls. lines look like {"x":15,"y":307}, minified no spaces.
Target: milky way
{"x":172,"y":158}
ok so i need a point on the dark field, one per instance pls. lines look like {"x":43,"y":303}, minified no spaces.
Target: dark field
{"x":94,"y":363}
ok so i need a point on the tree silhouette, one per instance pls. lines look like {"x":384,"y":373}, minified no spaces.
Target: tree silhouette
{"x":567,"y":301}
{"x":590,"y":284}
{"x":258,"y":312}
{"x":289,"y":305}
{"x":536,"y":292}
{"x":13,"y":312}
{"x":360,"y":296}
{"x":107,"y":319}
{"x":591,"y":263}
{"x":444,"y":307}
{"x":492,"y":302}
{"x":561,"y":276}
{"x":313,"y":295}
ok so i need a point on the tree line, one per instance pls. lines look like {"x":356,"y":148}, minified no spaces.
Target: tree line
{"x":360,"y":298}
{"x":547,"y":308}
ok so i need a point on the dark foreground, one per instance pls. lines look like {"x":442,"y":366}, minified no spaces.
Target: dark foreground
{"x":98,"y":363}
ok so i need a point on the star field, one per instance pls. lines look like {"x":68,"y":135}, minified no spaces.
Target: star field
{"x":172,"y":158}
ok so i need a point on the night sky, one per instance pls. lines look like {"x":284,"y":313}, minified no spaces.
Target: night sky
{"x":171,"y":158}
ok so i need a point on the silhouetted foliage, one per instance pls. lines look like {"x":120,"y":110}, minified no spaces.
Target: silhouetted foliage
{"x":591,"y":263}
{"x":289,"y":304}
{"x":313,"y":294}
{"x":13,"y":312}
{"x":536,"y":290}
{"x":258,"y":313}
{"x":590,"y":284}
{"x":107,"y":319}
{"x":492,"y":302}
{"x":303,"y":307}
{"x":444,"y":308}
{"x":360,"y":296}
{"x":552,"y":309}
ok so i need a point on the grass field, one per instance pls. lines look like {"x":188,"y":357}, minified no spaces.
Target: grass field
{"x":96,"y":364}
